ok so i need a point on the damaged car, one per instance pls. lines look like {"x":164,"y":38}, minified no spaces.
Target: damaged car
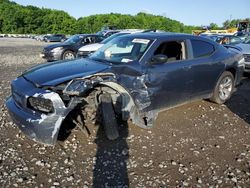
{"x":132,"y":77}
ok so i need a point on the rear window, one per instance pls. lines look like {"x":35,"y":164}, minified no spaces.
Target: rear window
{"x":201,"y":48}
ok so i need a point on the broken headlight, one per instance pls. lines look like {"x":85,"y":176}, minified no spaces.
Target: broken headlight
{"x":77,"y":87}
{"x":41,"y":104}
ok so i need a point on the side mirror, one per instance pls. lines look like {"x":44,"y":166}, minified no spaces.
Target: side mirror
{"x":159,"y":59}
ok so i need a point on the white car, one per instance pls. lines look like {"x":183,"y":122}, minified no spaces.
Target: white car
{"x":245,"y":46}
{"x":85,"y":51}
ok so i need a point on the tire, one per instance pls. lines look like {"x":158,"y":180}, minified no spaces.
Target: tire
{"x":224,"y":88}
{"x":68,"y":55}
{"x":109,"y":120}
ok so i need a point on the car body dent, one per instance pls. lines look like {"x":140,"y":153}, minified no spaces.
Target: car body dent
{"x":146,"y":89}
{"x":133,"y":91}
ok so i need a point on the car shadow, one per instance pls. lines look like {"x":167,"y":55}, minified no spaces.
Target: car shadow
{"x":110,"y":162}
{"x":240,"y":101}
{"x":67,"y":126}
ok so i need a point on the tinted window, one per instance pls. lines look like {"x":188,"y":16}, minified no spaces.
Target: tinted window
{"x":201,"y":48}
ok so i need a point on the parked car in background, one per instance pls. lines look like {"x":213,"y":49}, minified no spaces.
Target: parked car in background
{"x":107,"y":33}
{"x":69,"y":48}
{"x":55,"y":38}
{"x":228,"y":39}
{"x":131,"y":77}
{"x":242,"y":35}
{"x":40,"y":37}
{"x":213,"y":37}
{"x":86,"y":50}
{"x":245,"y":46}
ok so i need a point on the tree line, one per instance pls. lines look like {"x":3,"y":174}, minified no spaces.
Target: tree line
{"x":15,"y":18}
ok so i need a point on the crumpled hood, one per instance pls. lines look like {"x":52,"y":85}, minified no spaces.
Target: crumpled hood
{"x":51,"y":74}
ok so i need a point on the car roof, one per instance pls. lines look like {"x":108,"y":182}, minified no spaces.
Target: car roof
{"x":86,"y":35}
{"x":169,"y":36}
{"x":155,"y":35}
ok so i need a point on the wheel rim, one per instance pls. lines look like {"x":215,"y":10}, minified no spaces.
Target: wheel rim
{"x":225,"y":88}
{"x":69,"y":55}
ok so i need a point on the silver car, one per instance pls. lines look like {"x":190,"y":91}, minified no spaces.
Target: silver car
{"x":245,"y":46}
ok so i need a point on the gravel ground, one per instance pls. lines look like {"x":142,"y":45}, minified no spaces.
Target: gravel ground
{"x":200,"y":144}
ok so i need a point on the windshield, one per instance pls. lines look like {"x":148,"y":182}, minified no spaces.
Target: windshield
{"x":122,"y":50}
{"x":74,"y":39}
{"x":112,"y":37}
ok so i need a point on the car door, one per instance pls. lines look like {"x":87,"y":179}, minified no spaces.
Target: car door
{"x":206,"y":67}
{"x":80,"y":43}
{"x":170,"y":83}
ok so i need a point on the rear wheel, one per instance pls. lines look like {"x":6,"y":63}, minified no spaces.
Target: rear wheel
{"x":224,"y":88}
{"x":68,"y":55}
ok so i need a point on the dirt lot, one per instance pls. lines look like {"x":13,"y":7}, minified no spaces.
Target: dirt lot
{"x":199,"y":144}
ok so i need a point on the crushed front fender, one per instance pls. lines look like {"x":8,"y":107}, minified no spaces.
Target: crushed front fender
{"x":37,"y":126}
{"x":40,"y":127}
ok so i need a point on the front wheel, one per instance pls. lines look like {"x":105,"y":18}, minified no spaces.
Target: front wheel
{"x":109,"y":120}
{"x":224,"y":88}
{"x":68,"y":55}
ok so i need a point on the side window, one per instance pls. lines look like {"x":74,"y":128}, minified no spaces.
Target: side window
{"x":87,"y":40}
{"x":92,"y":39}
{"x":201,"y":48}
{"x":174,"y":50}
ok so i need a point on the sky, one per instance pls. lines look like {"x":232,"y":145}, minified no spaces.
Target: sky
{"x":189,"y":12}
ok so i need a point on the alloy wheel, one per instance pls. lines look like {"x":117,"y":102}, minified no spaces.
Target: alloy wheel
{"x":225,"y":88}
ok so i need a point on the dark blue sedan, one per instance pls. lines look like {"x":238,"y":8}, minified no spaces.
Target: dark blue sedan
{"x":131,"y":77}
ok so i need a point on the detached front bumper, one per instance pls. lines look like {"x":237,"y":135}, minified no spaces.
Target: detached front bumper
{"x":38,"y":126}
